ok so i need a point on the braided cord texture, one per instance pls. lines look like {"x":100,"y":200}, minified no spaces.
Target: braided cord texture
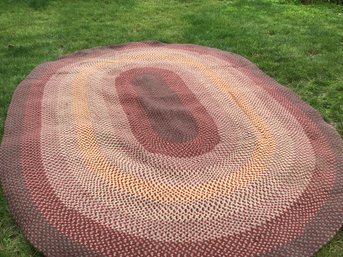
{"x":151,"y":149}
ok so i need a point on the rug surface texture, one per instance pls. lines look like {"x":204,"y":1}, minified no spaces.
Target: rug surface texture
{"x":151,"y":149}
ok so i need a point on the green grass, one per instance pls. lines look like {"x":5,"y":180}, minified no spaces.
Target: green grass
{"x":301,"y":46}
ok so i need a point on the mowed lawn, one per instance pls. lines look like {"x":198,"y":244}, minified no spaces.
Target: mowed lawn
{"x":301,"y":46}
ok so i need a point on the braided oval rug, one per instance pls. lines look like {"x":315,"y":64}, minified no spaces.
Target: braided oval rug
{"x":151,"y":149}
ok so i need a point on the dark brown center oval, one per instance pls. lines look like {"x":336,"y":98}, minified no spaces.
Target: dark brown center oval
{"x":164,"y":114}
{"x":169,"y":118}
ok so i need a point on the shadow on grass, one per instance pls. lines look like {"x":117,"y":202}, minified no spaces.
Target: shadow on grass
{"x":34,"y":4}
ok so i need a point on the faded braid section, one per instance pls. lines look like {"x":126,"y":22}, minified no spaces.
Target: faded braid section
{"x":151,"y":149}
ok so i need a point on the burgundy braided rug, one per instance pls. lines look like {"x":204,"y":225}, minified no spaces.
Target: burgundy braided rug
{"x":150,"y":149}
